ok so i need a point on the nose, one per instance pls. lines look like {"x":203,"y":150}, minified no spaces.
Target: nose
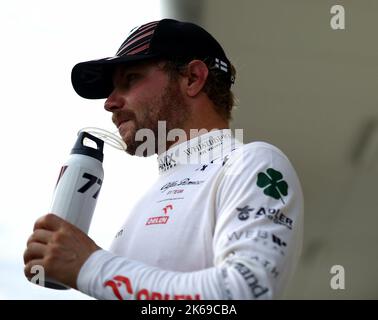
{"x":114,"y":101}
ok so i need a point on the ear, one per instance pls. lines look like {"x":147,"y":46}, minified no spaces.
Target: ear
{"x":196,"y":74}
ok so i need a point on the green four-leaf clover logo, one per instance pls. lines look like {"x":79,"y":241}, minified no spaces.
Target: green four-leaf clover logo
{"x":273,"y":184}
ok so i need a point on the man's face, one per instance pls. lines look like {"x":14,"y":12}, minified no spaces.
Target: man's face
{"x":143,"y":95}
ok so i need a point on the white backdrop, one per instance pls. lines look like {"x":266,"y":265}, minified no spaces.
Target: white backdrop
{"x":41,"y":114}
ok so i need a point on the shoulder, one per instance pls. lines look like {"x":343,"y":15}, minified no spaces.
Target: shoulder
{"x":257,"y":151}
{"x":262,"y":145}
{"x":261,"y":171}
{"x":251,"y":160}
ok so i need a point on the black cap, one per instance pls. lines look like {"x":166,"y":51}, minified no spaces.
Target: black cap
{"x":167,"y":38}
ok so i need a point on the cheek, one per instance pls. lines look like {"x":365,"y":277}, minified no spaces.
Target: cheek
{"x":135,"y":103}
{"x":145,"y":99}
{"x":143,"y":104}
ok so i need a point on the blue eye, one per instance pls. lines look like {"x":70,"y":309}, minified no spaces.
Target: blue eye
{"x":126,"y":80}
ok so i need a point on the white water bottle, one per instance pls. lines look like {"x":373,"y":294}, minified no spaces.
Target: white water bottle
{"x":78,"y":187}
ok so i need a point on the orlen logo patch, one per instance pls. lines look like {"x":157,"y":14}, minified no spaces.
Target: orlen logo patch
{"x":117,"y":283}
{"x":143,"y":294}
{"x":160,"y":219}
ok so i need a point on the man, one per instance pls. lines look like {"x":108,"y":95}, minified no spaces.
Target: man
{"x":223,"y":221}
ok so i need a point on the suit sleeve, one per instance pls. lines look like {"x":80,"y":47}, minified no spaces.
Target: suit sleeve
{"x":257,"y":240}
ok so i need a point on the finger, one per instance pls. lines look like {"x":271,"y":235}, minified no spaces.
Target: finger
{"x":34,"y":250}
{"x":48,"y":222}
{"x":41,"y":236}
{"x":30,"y":269}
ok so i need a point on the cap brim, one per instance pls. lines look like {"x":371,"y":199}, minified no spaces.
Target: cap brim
{"x":94,"y":79}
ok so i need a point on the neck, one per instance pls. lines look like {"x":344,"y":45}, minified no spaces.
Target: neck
{"x":200,"y":122}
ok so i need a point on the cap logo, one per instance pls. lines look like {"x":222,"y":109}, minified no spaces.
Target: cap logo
{"x":221,"y":65}
{"x":138,"y":42}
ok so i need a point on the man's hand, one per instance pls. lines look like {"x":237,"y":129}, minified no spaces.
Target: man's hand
{"x":59,"y":247}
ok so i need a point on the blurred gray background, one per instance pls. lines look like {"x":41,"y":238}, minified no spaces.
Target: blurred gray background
{"x":313,"y":92}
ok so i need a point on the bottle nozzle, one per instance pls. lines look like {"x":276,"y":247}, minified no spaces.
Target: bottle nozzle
{"x":110,"y":138}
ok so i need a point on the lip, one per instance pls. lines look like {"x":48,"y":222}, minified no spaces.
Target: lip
{"x":119,"y":123}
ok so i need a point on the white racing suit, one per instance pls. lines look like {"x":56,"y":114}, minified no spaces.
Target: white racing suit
{"x":224,"y":220}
